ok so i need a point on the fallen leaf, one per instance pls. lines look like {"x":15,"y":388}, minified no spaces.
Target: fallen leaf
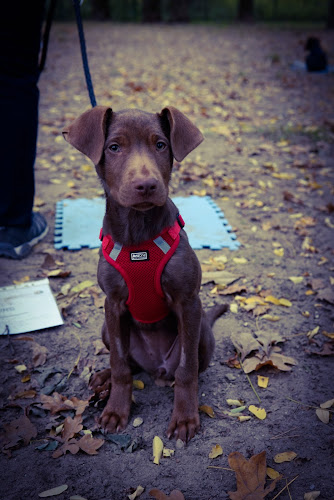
{"x":235,"y":402}
{"x":90,"y":445}
{"x":244,"y":418}
{"x":82,"y":286}
{"x":234,"y":308}
{"x":327,"y":404}
{"x":20,"y":368}
{"x":139,"y":490}
{"x":157,"y":449}
{"x":270,"y":317}
{"x":262,"y":381}
{"x":279,"y":252}
{"x":39,"y":354}
{"x":286,"y":456}
{"x":54,"y":491}
{"x":258,"y":412}
{"x":240,"y":260}
{"x":322,"y":415}
{"x":216,"y":451}
{"x":207,"y":410}
{"x":312,"y":495}
{"x":57,"y":403}
{"x":138,"y":384}
{"x":250,"y":476}
{"x":272,"y":473}
{"x":296,"y":279}
{"x":167,"y":452}
{"x":137,"y":422}
{"x":18,"y":430}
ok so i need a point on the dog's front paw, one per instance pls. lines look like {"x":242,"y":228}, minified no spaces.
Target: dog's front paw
{"x":183,"y":428}
{"x":115,"y":415}
{"x":111,"y":421}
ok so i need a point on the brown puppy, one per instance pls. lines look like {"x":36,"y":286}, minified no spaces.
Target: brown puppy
{"x":154,"y":320}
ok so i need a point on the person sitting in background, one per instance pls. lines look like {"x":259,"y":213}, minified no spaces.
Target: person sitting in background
{"x":316,"y":60}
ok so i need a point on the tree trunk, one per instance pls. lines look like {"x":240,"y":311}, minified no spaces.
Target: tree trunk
{"x":100,"y":10}
{"x":246,"y":10}
{"x":330,"y":17}
{"x":179,"y":11}
{"x":151,"y":11}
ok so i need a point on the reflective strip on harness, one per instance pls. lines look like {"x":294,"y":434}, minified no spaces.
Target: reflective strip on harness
{"x":162,"y":244}
{"x":115,"y":251}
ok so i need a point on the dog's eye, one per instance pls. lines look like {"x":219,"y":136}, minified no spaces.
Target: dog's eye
{"x":114,"y":148}
{"x":160,"y":145}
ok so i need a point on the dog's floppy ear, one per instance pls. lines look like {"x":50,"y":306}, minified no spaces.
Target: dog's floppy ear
{"x":87,"y":133}
{"x":184,"y":136}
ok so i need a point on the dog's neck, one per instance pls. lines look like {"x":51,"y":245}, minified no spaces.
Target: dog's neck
{"x":129,"y":226}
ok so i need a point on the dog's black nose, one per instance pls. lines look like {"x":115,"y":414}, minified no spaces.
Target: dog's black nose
{"x":146,"y":187}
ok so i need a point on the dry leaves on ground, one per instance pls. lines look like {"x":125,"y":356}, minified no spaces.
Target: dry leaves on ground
{"x":250,"y":476}
{"x":16,"y":432}
{"x":260,"y":351}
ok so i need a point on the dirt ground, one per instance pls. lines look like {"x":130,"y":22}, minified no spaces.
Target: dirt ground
{"x":267,"y":161}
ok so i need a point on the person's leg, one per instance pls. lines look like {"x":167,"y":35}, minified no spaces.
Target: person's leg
{"x":20,"y":35}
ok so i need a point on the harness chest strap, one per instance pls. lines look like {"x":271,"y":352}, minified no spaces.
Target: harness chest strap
{"x":141,"y":267}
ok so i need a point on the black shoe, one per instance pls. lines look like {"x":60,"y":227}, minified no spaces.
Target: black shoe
{"x":17,"y":242}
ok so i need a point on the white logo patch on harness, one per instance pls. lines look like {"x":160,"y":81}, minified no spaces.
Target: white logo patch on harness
{"x":139,"y":256}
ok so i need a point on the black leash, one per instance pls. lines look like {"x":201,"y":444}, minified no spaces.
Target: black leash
{"x":89,"y":82}
{"x":46,"y":35}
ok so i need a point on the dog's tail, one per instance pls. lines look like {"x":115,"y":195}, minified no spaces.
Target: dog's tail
{"x":214,"y":312}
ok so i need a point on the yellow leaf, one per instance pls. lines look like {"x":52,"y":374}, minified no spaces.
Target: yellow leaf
{"x":270,"y":317}
{"x":240,"y":260}
{"x":138,"y":384}
{"x":167,"y":452}
{"x":329,"y":335}
{"x":283,"y":175}
{"x":307,"y":314}
{"x":20,"y":368}
{"x":244,"y":418}
{"x":313,"y":332}
{"x":82,"y":286}
{"x":272,"y":300}
{"x":309,"y":292}
{"x":322,"y":415}
{"x":272,"y":473}
{"x":87,"y":168}
{"x":279,"y":252}
{"x":296,"y":279}
{"x":202,"y":192}
{"x":234,"y":308}
{"x":209,"y":182}
{"x":157,"y":449}
{"x":258,"y":412}
{"x":285,"y":302}
{"x":234,"y":402}
{"x":208,"y":410}
{"x":70,"y":184}
{"x":262,"y":381}
{"x":22,"y":280}
{"x":216,"y":451}
{"x":286,"y":456}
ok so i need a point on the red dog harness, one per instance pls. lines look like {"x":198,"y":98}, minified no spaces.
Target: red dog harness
{"x":141,"y":267}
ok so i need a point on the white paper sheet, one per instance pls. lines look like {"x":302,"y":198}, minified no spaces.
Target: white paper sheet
{"x":28,"y":307}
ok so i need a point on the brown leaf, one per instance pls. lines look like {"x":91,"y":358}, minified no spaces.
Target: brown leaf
{"x":264,"y":350}
{"x":230,"y":290}
{"x":326,"y":294}
{"x":57,"y":403}
{"x":90,"y":445}
{"x":250,"y":476}
{"x":71,"y":427}
{"x":18,"y":430}
{"x":39,"y":354}
{"x":71,"y":446}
